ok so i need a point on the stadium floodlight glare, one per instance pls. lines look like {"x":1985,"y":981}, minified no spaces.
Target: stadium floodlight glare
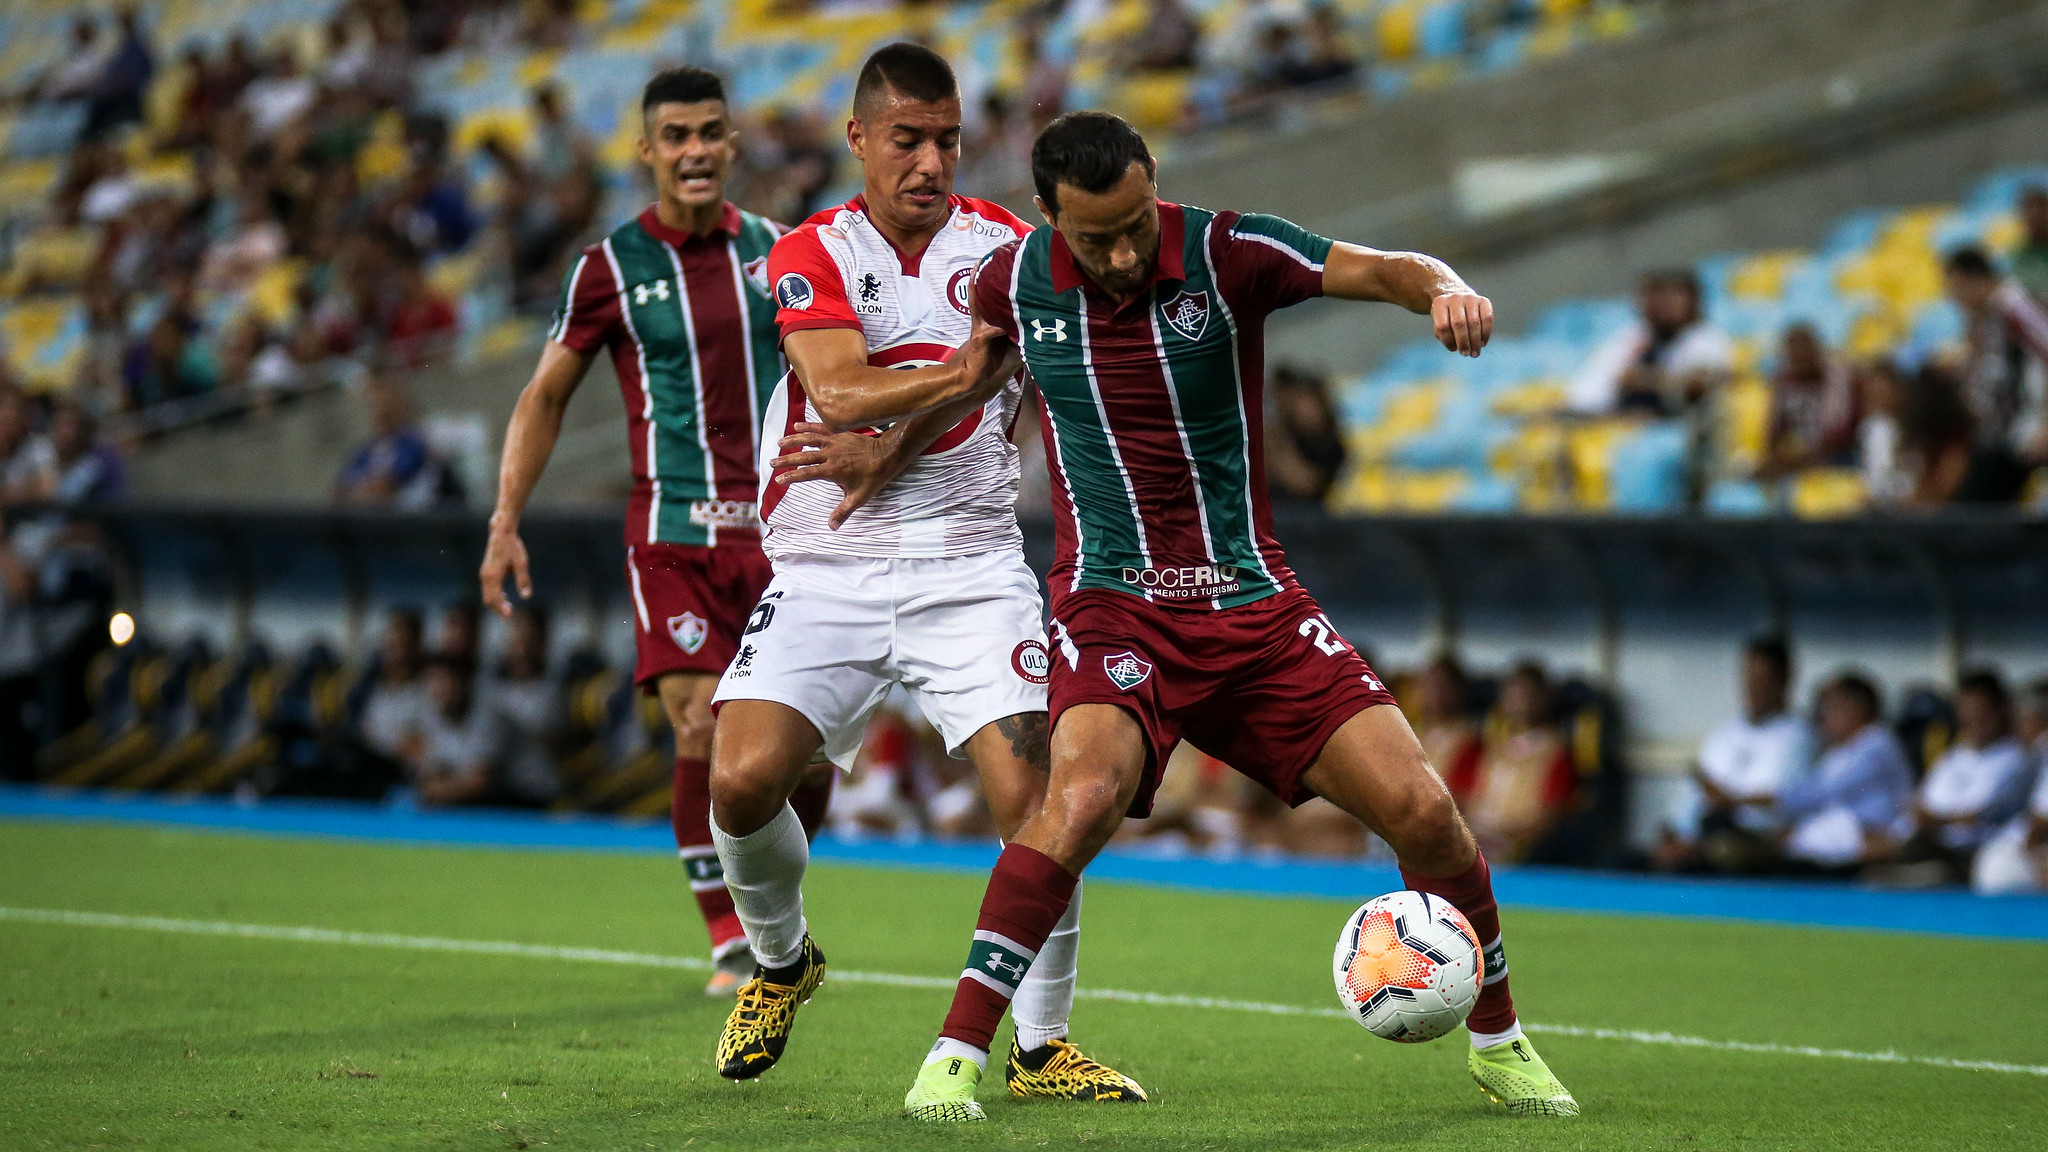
{"x":121,"y":628}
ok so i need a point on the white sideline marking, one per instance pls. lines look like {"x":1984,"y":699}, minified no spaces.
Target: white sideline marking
{"x":1160,"y":999}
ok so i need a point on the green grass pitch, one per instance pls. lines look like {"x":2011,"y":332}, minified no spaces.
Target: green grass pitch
{"x":119,"y":1038}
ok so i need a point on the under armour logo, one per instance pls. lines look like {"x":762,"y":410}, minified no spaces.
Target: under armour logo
{"x":657,"y":290}
{"x":1057,"y":330}
{"x":994,"y":963}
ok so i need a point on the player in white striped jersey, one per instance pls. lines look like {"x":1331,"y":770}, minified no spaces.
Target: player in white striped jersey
{"x":917,"y":578}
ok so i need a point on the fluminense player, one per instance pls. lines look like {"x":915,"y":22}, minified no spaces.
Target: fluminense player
{"x":1174,"y":613}
{"x":679,"y":296}
{"x":925,"y":585}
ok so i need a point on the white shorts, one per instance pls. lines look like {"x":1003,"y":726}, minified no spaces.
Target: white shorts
{"x":965,"y":635}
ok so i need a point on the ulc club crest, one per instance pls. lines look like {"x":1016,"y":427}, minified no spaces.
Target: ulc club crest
{"x":688,"y":631}
{"x":1188,"y":313}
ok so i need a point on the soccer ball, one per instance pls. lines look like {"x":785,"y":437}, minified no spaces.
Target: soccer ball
{"x":1408,"y":967}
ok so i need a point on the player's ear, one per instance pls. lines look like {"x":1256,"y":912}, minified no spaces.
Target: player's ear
{"x":856,"y":138}
{"x":1038,"y":202}
{"x":646,"y":151}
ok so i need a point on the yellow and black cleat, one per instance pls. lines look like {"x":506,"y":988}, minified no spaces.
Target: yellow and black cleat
{"x":1513,"y":1076}
{"x":759,"y":1026}
{"x":1059,"y":1071}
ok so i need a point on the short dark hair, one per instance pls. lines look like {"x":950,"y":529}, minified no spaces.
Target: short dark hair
{"x":1676,"y":277}
{"x":1859,"y":688}
{"x":1969,"y":260}
{"x":910,"y":70}
{"x":1089,"y":150}
{"x":684,"y":85}
{"x":1771,"y":647}
{"x":1988,"y":683}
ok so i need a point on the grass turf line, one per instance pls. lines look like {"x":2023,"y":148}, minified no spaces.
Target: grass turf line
{"x":166,"y":1041}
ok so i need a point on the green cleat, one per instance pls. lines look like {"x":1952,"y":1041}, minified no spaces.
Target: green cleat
{"x":1515,"y":1077}
{"x":944,"y":1092}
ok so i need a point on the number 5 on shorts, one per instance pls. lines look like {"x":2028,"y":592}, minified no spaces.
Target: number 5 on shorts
{"x":1318,"y":628}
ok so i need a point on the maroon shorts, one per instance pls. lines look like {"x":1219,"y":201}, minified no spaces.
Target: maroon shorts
{"x":1261,"y":687}
{"x":690,"y":605}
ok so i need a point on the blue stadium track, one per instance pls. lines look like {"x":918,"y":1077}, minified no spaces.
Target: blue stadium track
{"x":1947,"y":912}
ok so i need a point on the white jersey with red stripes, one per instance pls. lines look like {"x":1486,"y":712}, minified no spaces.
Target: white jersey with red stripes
{"x":838,"y":271}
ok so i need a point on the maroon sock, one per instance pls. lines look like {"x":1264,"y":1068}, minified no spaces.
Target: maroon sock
{"x":1027,"y":894}
{"x":689,"y":812}
{"x":1471,"y":892}
{"x":810,"y":800}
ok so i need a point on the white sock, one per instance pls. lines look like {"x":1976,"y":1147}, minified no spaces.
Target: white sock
{"x":1489,"y":1039}
{"x":764,"y":870}
{"x":1046,"y":997}
{"x":948,"y":1048}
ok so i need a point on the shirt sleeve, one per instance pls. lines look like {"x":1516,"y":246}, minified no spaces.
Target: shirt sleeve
{"x":589,"y":308}
{"x":992,"y":288}
{"x":809,"y":290}
{"x":1272,"y":263}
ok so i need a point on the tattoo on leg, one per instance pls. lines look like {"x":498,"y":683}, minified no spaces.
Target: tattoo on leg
{"x":1029,"y":738}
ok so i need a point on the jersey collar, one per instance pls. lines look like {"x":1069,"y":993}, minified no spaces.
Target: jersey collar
{"x":908,"y":264}
{"x":728,"y":225}
{"x":1167,"y":265}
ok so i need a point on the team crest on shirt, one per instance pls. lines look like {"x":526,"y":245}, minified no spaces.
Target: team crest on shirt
{"x":956,"y":291}
{"x":1125,"y":670}
{"x":1188,"y":313}
{"x":688,"y":631}
{"x":793,"y":291}
{"x":757,"y":273}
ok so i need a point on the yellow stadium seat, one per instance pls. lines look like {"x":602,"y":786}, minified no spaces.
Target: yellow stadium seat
{"x":1762,"y":277}
{"x":1745,"y":421}
{"x":1590,"y":449}
{"x":512,"y":125}
{"x":1821,"y":493}
{"x":51,"y":257}
{"x":1400,"y":30}
{"x":273,"y":297}
{"x":1534,"y":398}
{"x":1154,"y":101}
{"x":25,"y":183}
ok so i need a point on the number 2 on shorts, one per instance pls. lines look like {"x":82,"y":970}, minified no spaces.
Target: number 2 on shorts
{"x":1318,"y":628}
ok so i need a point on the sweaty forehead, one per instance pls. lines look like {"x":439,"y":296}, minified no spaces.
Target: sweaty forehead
{"x":1124,"y":206}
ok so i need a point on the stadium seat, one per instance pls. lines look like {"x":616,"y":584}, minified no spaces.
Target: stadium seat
{"x":1649,"y":469}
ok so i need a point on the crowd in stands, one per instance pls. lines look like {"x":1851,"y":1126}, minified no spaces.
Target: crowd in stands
{"x":1946,"y":792}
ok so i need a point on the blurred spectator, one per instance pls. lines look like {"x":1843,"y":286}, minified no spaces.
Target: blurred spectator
{"x":87,"y":471}
{"x":1664,"y":363}
{"x":1443,"y":719}
{"x":878,"y":798}
{"x":117,"y":92}
{"x":1970,"y":792}
{"x":464,"y":749}
{"x":1169,"y":39}
{"x":561,"y":148}
{"x":1305,"y":444}
{"x":1045,"y":79}
{"x":394,"y":469}
{"x":256,"y":242}
{"x":421,"y":325}
{"x":166,"y":363}
{"x":432,"y":211}
{"x":392,"y":701}
{"x":2030,"y":259}
{"x":1914,"y":441}
{"x":78,"y":73}
{"x":1851,"y":809}
{"x":1813,"y":407}
{"x":461,"y":633}
{"x":2005,"y":374}
{"x":1728,"y":819}
{"x":21,"y":687}
{"x":1326,"y":53}
{"x":995,"y":161}
{"x":280,"y":96}
{"x":2016,"y":860}
{"x":28,"y":461}
{"x":1200,"y":804}
{"x":1523,"y":781}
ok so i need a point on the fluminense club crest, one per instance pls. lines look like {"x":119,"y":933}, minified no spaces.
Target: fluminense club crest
{"x":1188,"y":313}
{"x":1126,"y":670}
{"x":688,"y":631}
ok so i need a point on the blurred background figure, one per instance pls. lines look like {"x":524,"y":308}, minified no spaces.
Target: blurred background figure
{"x":1440,"y":710}
{"x":2005,"y":374}
{"x":395,"y":468}
{"x":1671,"y":359}
{"x":1523,"y":781}
{"x":1970,"y":792}
{"x":1727,"y":819}
{"x":2016,"y":859}
{"x":1304,"y":440}
{"x":1851,"y":810}
{"x":1814,"y":413}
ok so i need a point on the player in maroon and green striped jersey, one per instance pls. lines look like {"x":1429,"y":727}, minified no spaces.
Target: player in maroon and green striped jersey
{"x":679,"y":297}
{"x":1174,"y":612}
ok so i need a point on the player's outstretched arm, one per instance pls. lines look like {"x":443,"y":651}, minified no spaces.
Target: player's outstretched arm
{"x":864,"y":465}
{"x":1463,"y":319}
{"x":848,"y":392}
{"x":529,"y":440}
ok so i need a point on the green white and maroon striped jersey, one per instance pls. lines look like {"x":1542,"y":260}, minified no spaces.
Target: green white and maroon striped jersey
{"x":692,"y":336}
{"x":1152,"y":407}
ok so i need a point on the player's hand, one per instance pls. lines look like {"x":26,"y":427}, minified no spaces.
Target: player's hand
{"x":987,"y":358}
{"x":861,"y":465}
{"x":504,"y":554}
{"x":1463,"y":321}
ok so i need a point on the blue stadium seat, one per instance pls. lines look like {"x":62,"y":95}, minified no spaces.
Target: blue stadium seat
{"x":1649,"y":470}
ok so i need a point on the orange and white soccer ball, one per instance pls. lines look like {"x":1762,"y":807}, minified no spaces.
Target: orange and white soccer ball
{"x":1408,"y":967}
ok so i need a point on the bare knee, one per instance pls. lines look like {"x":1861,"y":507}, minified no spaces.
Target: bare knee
{"x":748,"y":789}
{"x":1427,"y":833}
{"x":693,"y":733}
